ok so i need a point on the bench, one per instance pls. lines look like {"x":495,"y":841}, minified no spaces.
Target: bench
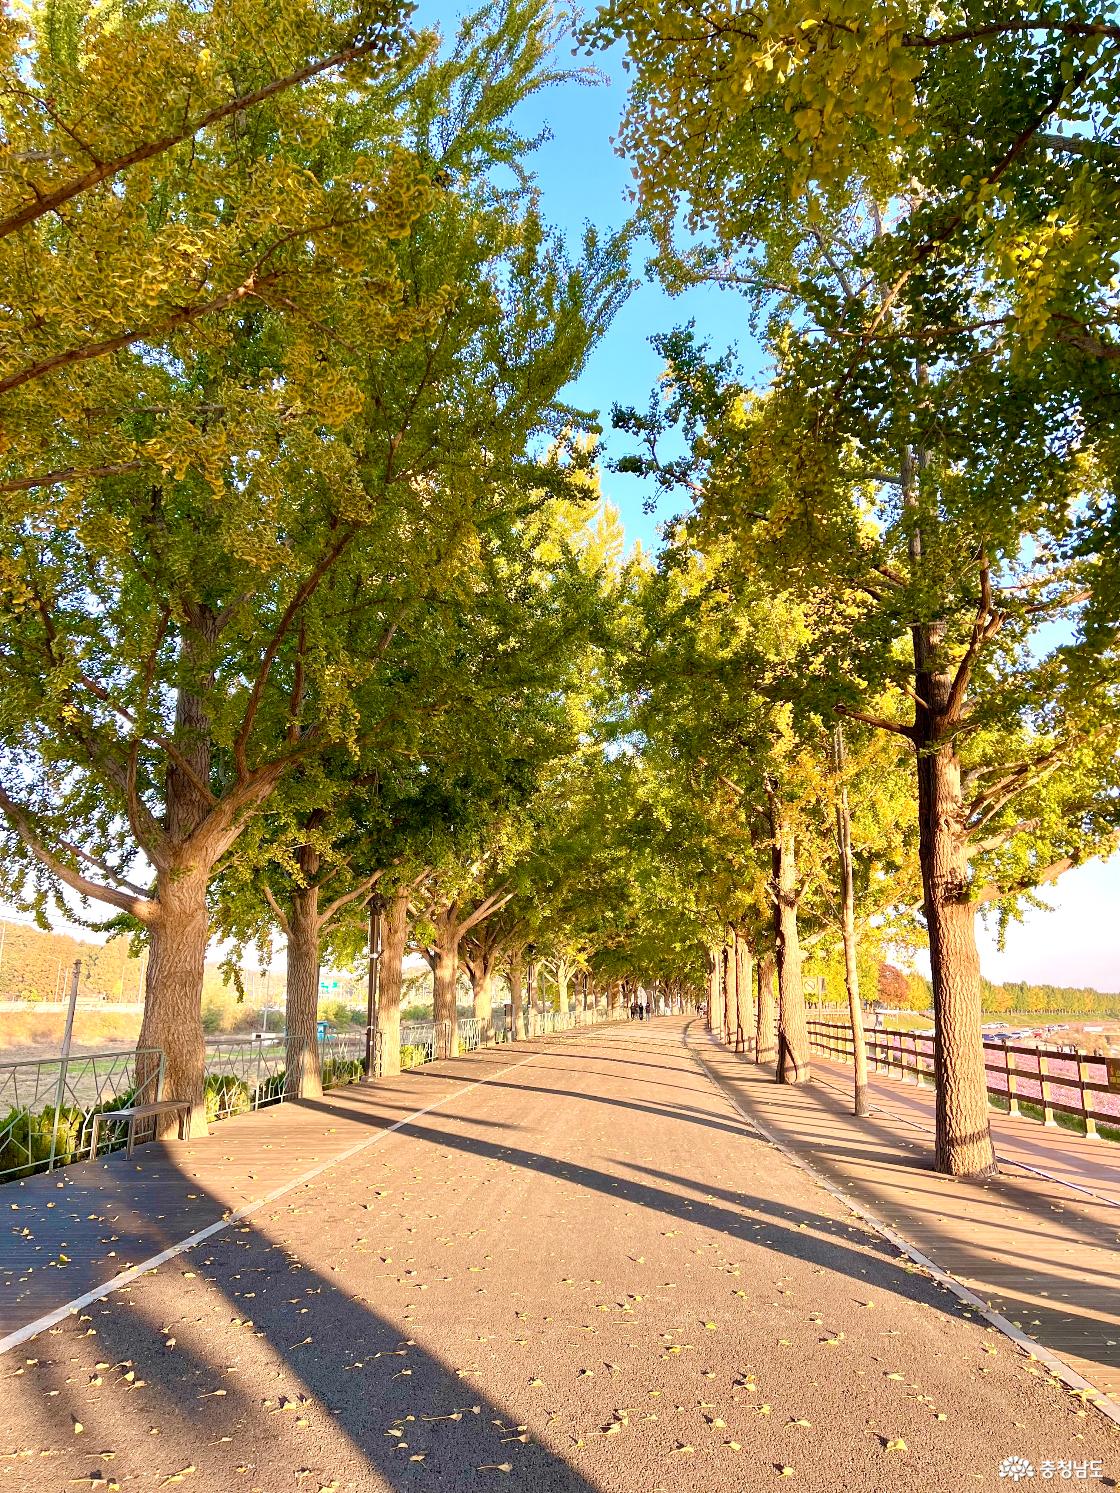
{"x":179,"y":1107}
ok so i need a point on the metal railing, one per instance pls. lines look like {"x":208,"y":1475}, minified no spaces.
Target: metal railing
{"x":244,"y":1074}
{"x":1036,"y":1080}
{"x":47,"y":1106}
{"x":418,"y":1043}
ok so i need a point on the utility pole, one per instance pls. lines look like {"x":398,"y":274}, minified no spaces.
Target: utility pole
{"x":67,"y":1037}
{"x":373,"y":987}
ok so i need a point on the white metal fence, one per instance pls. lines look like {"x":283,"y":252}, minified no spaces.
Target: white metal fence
{"x":47,"y":1106}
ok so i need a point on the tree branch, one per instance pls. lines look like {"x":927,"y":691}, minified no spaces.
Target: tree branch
{"x":68,"y":474}
{"x":490,"y":905}
{"x":363,"y":889}
{"x":142,"y":907}
{"x":303,"y":594}
{"x":104,"y":170}
{"x":277,"y":911}
{"x":1049,"y":874}
{"x":1001,"y":28}
{"x":985,"y":626}
{"x":251,"y":286}
{"x":1077,"y":145}
{"x":897,"y":727}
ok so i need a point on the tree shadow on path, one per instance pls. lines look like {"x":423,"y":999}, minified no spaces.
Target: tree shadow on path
{"x":299,"y":1388}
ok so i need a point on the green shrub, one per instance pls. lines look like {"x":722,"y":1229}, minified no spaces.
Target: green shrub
{"x":270,"y":1089}
{"x":412,"y":1057}
{"x":27,"y":1138}
{"x":226,"y":1095}
{"x":338,"y":1071}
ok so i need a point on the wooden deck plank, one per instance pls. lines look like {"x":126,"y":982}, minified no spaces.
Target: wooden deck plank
{"x":66,"y":1234}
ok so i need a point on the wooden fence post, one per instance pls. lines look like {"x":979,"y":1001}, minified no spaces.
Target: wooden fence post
{"x":1012,"y":1096}
{"x":1090,"y":1122}
{"x":1044,"y":1087}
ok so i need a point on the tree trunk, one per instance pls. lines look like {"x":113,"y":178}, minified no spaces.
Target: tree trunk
{"x":515,"y":995}
{"x":963,"y":1144}
{"x":445,"y":1011}
{"x":848,"y":925}
{"x":536,"y":999}
{"x":964,"y":1140}
{"x":730,"y":993}
{"x":743,"y":981}
{"x":764,"y":1046}
{"x":302,"y":1076}
{"x":482,"y":983}
{"x":793,"y":1034}
{"x":179,"y":933}
{"x":390,"y":981}
{"x":715,"y":984}
{"x":173,"y":994}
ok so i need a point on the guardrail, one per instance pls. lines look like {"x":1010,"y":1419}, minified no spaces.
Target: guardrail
{"x":1036,"y":1081}
{"x":47,"y":1106}
{"x":243,"y":1074}
{"x":51,"y":1104}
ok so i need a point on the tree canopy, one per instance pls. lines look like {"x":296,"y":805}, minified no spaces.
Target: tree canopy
{"x":318,"y":619}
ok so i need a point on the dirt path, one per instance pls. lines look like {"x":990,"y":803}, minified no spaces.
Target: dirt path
{"x":584,"y":1274}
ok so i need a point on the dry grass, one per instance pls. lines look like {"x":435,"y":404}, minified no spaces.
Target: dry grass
{"x":23,"y":1033}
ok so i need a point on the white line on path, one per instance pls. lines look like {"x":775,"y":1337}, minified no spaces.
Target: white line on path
{"x":1058,"y":1367}
{"x":126,"y":1277}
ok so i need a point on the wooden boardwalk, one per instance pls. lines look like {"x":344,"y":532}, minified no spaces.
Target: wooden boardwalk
{"x":1038,"y":1243}
{"x":70,"y":1233}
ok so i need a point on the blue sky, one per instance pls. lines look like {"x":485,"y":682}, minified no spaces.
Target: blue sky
{"x":582,"y":179}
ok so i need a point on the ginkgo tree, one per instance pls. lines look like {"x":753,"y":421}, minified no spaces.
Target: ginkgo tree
{"x":959,"y":561}
{"x":171,"y":655}
{"x":146,"y":210}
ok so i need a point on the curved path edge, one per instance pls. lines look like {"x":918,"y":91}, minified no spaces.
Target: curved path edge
{"x":1077,"y":1383}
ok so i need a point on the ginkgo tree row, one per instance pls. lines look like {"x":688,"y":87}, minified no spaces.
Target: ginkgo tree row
{"x":309,"y":604}
{"x":917,"y":207}
{"x":291,"y":586}
{"x":308,"y":598}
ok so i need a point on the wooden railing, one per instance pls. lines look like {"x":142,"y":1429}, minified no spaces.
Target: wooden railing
{"x":1024,"y":1079}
